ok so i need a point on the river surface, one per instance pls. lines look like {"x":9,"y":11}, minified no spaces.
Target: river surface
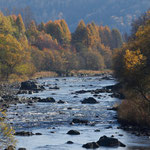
{"x":53,"y":120}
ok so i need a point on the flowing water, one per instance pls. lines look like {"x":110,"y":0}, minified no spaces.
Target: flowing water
{"x":53,"y":119}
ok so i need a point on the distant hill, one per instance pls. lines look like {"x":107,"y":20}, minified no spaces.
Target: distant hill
{"x":114,"y":13}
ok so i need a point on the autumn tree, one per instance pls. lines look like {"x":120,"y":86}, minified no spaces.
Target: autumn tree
{"x":11,"y":55}
{"x":59,"y":30}
{"x":5,"y":25}
{"x":6,"y":132}
{"x":93,"y":37}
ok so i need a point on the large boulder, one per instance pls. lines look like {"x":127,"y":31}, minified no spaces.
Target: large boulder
{"x":89,"y":100}
{"x":91,"y":145}
{"x":73,"y":132}
{"x":31,"y":85}
{"x":109,"y":142}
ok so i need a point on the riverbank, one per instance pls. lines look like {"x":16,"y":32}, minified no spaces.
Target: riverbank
{"x":133,"y":113}
{"x":45,"y":74}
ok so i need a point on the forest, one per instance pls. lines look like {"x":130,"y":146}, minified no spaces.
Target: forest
{"x":51,"y":46}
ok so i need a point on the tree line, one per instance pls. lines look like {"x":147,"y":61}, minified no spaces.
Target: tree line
{"x":52,"y":47}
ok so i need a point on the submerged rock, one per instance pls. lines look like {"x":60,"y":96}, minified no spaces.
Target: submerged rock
{"x":61,"y":102}
{"x":73,"y":132}
{"x":38,"y":133}
{"x":91,"y":145}
{"x":54,"y":88}
{"x":89,"y":100}
{"x":22,"y":149}
{"x":69,"y":142}
{"x":80,"y":121}
{"x":97,"y":130}
{"x":23,"y":133}
{"x":47,"y":100}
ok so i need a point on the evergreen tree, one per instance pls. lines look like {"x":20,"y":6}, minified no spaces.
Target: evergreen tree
{"x":20,"y":24}
{"x":117,"y":39}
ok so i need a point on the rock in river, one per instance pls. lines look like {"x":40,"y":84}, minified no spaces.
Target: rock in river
{"x":91,"y":145}
{"x":69,"y":142}
{"x":73,"y":132}
{"x":23,"y":133}
{"x":79,"y":121}
{"x":109,"y":142}
{"x":61,"y":102}
{"x":47,"y":100}
{"x":31,"y":85}
{"x":89,"y":100}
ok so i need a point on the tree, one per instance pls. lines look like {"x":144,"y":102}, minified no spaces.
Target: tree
{"x":59,"y":30}
{"x":20,"y":24}
{"x":6,"y":132}
{"x":93,"y":37}
{"x":140,"y":21}
{"x":11,"y":54}
{"x":80,"y":34}
{"x":117,"y":39}
{"x":5,"y":25}
{"x":41,"y":27}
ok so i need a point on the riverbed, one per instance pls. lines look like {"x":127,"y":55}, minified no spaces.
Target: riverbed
{"x":53,"y":120}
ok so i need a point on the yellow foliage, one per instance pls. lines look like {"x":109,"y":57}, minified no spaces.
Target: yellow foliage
{"x":134,"y":59}
{"x":6,"y":132}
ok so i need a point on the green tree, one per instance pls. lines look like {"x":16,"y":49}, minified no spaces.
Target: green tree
{"x":20,"y":24}
{"x":117,"y":39}
{"x":80,"y":34}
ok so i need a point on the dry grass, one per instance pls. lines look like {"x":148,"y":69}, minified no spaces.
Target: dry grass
{"x":44,"y":74}
{"x":20,"y":78}
{"x":15,"y":78}
{"x":90,"y":72}
{"x":134,"y":111}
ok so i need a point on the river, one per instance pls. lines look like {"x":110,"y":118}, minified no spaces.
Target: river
{"x":53,"y":119}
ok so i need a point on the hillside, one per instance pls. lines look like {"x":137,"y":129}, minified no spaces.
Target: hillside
{"x":120,"y":14}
